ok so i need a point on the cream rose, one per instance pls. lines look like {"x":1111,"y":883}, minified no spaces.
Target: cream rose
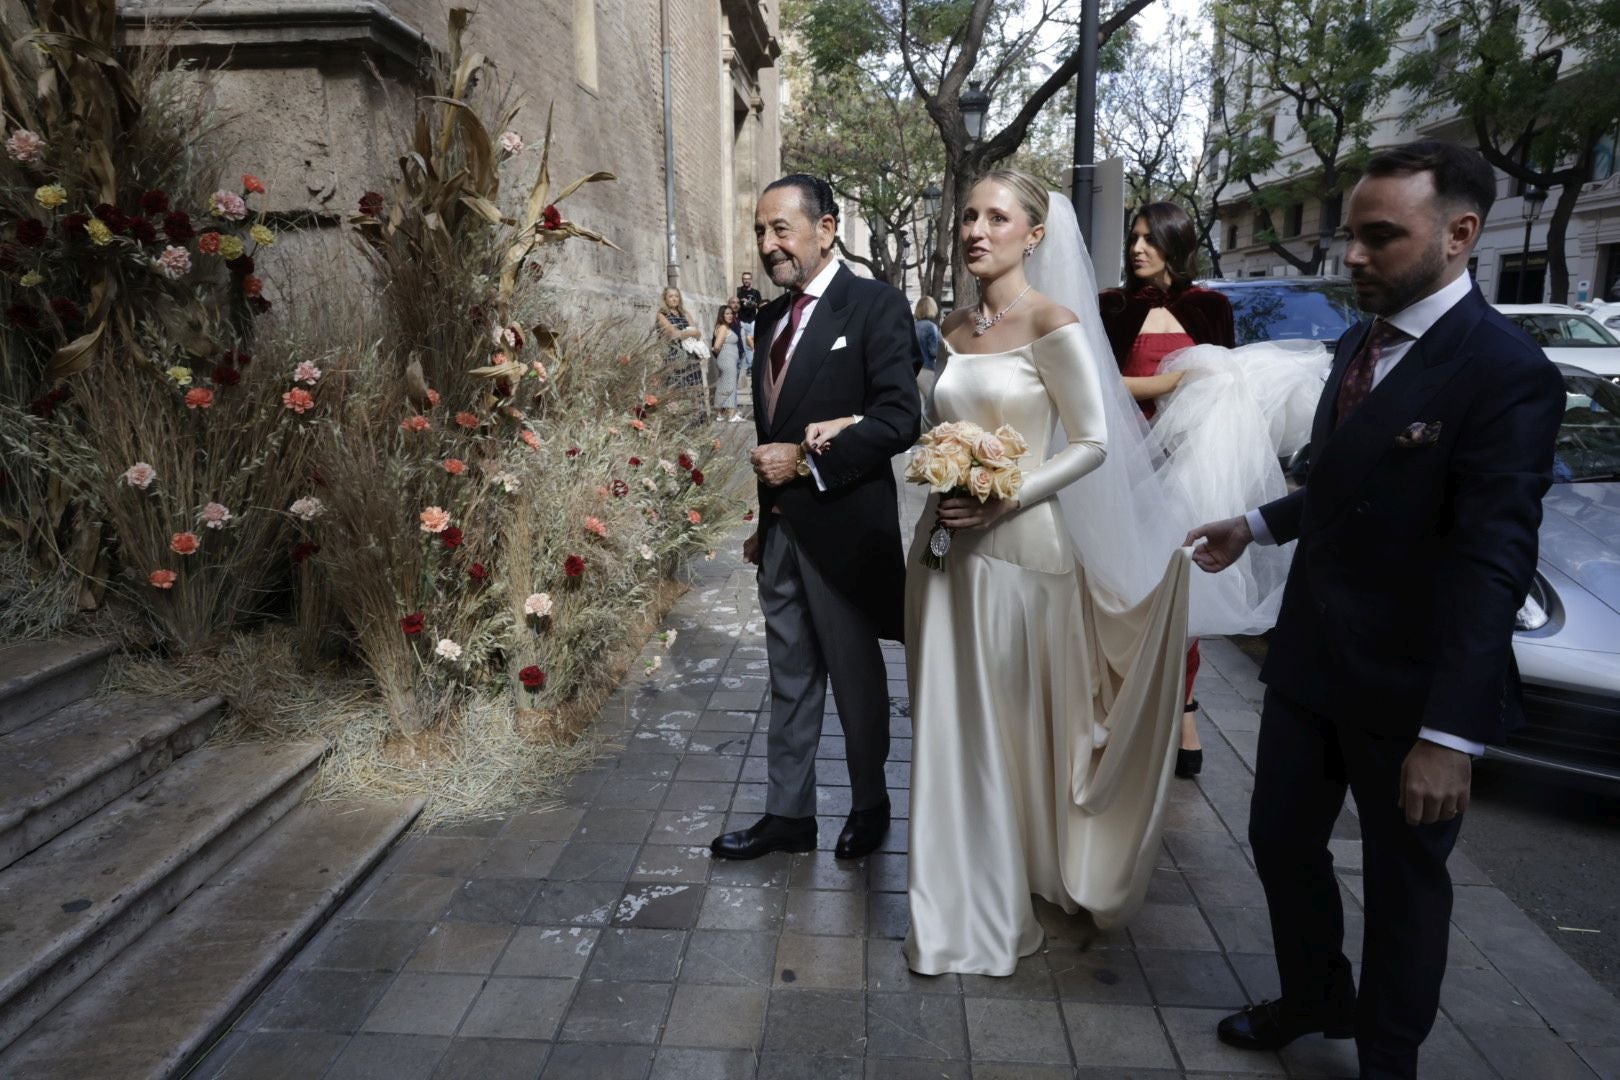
{"x":981,"y":482}
{"x":990,"y":450}
{"x":1005,"y":483}
{"x":940,"y":473}
{"x":1011,"y":441}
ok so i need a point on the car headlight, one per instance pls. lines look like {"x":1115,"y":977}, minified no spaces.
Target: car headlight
{"x":1533,"y":613}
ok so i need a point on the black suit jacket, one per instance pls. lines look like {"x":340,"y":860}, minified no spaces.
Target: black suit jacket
{"x":851,"y":531}
{"x":1412,"y":560}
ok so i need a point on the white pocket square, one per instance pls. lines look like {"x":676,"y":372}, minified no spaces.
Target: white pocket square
{"x":840,"y":343}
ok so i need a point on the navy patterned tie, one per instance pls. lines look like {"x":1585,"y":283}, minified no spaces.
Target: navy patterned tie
{"x":1358,"y":377}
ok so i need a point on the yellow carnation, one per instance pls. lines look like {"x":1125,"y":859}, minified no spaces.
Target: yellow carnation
{"x":32,"y":278}
{"x":231,"y":247}
{"x":180,"y":375}
{"x":100,"y":235}
{"x":262,"y":236}
{"x":51,"y":196}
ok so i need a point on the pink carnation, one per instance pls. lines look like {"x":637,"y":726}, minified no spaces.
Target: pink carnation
{"x":435,"y":519}
{"x":306,"y":372}
{"x":162,"y":579}
{"x":415,"y":423}
{"x":25,"y":146}
{"x":299,"y":401}
{"x":215,"y":515}
{"x":140,"y":475}
{"x":227,"y":205}
{"x":174,"y":263}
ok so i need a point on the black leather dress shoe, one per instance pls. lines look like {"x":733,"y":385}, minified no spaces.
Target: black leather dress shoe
{"x":770,"y":833}
{"x":863,"y":832}
{"x":1272,"y":1025}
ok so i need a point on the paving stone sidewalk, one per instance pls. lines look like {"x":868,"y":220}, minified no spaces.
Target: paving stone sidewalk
{"x":597,"y":939}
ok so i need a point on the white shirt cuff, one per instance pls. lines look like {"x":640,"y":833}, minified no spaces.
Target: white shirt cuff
{"x":1454,"y":742}
{"x":1257,"y":526}
{"x":815,"y":473}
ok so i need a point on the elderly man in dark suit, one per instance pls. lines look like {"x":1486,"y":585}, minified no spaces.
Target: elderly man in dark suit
{"x":1392,"y":662}
{"x":831,"y":567}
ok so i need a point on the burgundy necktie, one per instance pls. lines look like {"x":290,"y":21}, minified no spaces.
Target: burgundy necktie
{"x":1358,"y":377}
{"x":784,"y":338}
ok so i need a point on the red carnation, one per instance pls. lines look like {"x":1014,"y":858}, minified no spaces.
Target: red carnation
{"x":142,"y":230}
{"x":635,"y":463}
{"x":31,"y":233}
{"x":239,"y":358}
{"x":114,"y":218}
{"x":226,"y":376}
{"x":241,"y":266}
{"x":308,"y":548}
{"x":573,"y":451}
{"x":620,"y":489}
{"x":574,"y":566}
{"x":371,"y":204}
{"x":252,"y":185}
{"x":45,"y":405}
{"x":532,"y":678}
{"x":684,"y":461}
{"x":553,"y":218}
{"x":155,"y":202}
{"x":259,"y":305}
{"x":177,"y":227}
{"x":65,"y":310}
{"x":749,"y":516}
{"x":412,"y":624}
{"x":73,"y":224}
{"x":450,"y":538}
{"x":478,"y":572}
{"x":252,"y":286}
{"x":503,"y":387}
{"x":697,"y":477}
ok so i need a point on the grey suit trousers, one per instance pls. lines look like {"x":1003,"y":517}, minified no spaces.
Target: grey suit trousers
{"x":813,"y":632}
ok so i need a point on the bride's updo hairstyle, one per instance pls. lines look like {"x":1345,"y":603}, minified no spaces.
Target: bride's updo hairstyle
{"x":1030,"y":192}
{"x":1172,"y":235}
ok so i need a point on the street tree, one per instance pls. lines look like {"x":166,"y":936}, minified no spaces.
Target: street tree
{"x":939,"y":45}
{"x":869,"y":136}
{"x":1537,"y":86}
{"x":1297,"y":86}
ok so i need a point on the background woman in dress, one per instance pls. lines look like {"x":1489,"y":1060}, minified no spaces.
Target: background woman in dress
{"x":675,"y":324}
{"x":1159,"y":312}
{"x":728,"y":359}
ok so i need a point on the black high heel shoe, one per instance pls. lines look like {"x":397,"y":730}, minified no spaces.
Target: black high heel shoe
{"x":1189,"y":763}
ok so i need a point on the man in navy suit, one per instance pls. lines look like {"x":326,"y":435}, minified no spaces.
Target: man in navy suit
{"x":1392,"y":661}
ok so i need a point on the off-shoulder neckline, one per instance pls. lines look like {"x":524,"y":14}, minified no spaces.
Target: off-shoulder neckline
{"x":1004,"y":352}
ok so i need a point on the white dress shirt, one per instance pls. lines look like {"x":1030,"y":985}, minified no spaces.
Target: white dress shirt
{"x":815,"y":290}
{"x":1414,"y":321}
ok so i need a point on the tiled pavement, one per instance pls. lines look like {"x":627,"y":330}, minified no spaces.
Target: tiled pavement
{"x":597,"y":939}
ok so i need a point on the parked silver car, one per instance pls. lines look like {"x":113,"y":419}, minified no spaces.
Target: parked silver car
{"x":1568,"y":638}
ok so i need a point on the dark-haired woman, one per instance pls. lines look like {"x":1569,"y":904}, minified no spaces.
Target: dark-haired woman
{"x":1158,"y":313}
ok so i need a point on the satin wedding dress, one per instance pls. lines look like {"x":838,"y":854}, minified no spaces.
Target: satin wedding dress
{"x":1046,"y":710}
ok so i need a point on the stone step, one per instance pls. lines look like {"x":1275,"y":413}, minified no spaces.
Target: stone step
{"x":160,"y":1004}
{"x":64,"y":767}
{"x":71,"y":906}
{"x":39,"y":677}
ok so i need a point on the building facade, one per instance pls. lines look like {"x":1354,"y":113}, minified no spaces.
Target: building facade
{"x":323,"y":90}
{"x":1509,"y":267}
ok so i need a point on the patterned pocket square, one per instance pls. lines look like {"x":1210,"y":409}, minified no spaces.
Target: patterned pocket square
{"x":1418,"y":435}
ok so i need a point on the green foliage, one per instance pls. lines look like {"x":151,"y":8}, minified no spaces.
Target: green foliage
{"x":1318,"y":67}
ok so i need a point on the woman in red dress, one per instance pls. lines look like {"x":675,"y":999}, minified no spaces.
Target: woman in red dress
{"x":1158,"y":312}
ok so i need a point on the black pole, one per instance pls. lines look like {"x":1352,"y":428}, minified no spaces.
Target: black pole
{"x":1085,"y":119}
{"x":1524,"y":264}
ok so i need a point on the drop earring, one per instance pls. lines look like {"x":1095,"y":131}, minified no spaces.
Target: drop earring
{"x":1029,"y":249}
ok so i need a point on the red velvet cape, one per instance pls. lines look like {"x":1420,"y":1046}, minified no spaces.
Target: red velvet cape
{"x":1204,"y":313}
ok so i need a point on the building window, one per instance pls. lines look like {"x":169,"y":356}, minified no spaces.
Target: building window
{"x":1232,"y":237}
{"x":1270,"y":127}
{"x":1448,"y":46}
{"x":1332,"y":213}
{"x":1522,"y":280}
{"x":1296,"y":219}
{"x":1260,"y":225}
{"x":585,"y":43}
{"x":1603,"y":153}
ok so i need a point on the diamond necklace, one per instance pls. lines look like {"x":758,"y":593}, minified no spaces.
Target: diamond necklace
{"x":982,"y":324}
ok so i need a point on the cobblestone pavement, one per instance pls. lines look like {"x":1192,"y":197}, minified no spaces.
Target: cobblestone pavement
{"x":597,"y":939}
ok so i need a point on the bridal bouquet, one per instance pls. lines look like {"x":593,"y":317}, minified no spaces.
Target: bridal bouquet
{"x":697,"y":347}
{"x":960,"y":460}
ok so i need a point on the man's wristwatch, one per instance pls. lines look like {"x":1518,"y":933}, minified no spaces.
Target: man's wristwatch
{"x":802,"y":467}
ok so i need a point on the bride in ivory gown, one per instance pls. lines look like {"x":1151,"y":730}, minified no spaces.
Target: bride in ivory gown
{"x":1046,"y":660}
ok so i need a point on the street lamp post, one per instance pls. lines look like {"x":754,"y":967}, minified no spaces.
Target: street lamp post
{"x":932,"y":196}
{"x":1530,"y":208}
{"x":974,"y":103}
